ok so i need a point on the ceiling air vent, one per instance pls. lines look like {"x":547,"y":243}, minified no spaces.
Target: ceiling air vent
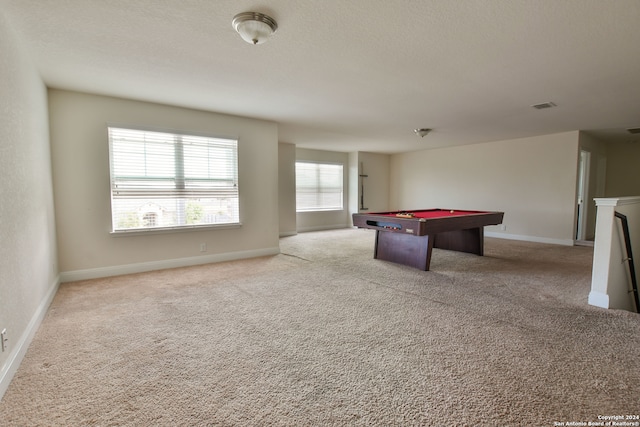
{"x":543,"y":105}
{"x":634,"y":130}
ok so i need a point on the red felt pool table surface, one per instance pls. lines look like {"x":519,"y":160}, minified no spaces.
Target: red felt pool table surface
{"x":431,"y":213}
{"x":408,"y":237}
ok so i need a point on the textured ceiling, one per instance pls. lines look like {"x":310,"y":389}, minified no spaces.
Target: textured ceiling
{"x":350,"y":75}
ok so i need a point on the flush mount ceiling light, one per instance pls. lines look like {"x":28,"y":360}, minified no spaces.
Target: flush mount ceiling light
{"x":254,"y":27}
{"x":422,"y":132}
{"x":544,"y":105}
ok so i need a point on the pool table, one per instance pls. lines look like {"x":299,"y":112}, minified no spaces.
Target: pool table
{"x":408,"y":237}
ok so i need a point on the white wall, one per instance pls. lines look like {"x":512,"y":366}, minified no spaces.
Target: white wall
{"x":28,"y":261}
{"x":532,"y":180}
{"x":82,"y":192}
{"x":309,"y":221}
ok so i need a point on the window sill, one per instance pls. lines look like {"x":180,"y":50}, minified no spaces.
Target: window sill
{"x":320,"y":210}
{"x":167,"y":230}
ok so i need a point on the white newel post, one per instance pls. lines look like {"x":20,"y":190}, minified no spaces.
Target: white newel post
{"x":610,"y":280}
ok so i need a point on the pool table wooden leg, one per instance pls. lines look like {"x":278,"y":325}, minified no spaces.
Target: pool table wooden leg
{"x":405,"y":249}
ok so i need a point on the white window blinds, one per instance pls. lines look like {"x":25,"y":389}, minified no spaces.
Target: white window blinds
{"x":318,"y":186}
{"x":166,"y":180}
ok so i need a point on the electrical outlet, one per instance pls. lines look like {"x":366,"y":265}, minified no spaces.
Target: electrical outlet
{"x":3,"y":339}
{"x":203,"y":247}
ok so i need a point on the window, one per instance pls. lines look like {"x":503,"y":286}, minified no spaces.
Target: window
{"x":318,"y":186}
{"x":164,"y":180}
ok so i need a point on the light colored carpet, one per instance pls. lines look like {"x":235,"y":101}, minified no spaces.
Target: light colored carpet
{"x":324,"y":335}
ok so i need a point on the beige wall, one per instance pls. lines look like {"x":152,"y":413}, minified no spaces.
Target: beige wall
{"x":376,"y":183}
{"x":533,"y":180}
{"x":623,"y":173}
{"x":596,"y":180}
{"x":308,"y":221}
{"x":287,"y":188}
{"x":82,"y":192}
{"x":28,"y":262}
{"x":354,"y":184}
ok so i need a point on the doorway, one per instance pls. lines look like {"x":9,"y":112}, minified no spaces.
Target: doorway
{"x":583,"y":195}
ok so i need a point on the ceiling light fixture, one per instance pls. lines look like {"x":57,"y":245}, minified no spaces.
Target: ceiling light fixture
{"x":422,"y":132}
{"x":544,"y":105}
{"x":254,"y":27}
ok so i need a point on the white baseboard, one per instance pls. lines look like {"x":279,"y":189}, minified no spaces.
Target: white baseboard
{"x":117,"y":270}
{"x":564,"y":242}
{"x":19,"y":347}
{"x":322,"y":228}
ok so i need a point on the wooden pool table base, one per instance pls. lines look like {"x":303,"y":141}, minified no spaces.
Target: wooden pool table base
{"x":415,"y":251}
